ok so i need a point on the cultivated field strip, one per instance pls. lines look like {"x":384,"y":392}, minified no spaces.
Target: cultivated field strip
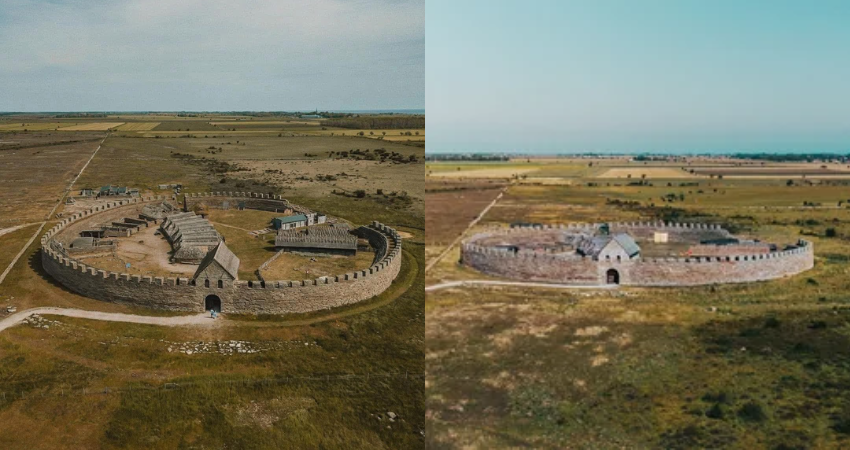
{"x":138,"y":126}
{"x":96,"y":126}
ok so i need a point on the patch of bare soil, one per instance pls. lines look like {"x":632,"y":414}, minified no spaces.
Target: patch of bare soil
{"x":266,"y":413}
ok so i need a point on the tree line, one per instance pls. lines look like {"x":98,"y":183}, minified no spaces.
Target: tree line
{"x":376,"y":123}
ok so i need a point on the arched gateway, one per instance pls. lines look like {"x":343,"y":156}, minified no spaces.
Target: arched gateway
{"x":612,"y":276}
{"x":212,"y":303}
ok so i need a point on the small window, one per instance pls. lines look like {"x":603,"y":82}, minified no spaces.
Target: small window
{"x":207,"y":283}
{"x":220,"y":284}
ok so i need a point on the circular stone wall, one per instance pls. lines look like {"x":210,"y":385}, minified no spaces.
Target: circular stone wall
{"x":181,"y":294}
{"x":482,"y":253}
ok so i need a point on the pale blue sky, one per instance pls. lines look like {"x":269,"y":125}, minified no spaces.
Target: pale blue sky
{"x":85,"y":55}
{"x":638,"y":75}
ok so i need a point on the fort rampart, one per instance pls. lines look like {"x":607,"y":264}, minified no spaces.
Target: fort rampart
{"x":571,"y":268}
{"x":251,"y":297}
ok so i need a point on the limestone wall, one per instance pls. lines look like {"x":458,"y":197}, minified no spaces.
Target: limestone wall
{"x":569,"y":269}
{"x":180,"y":294}
{"x":640,"y":230}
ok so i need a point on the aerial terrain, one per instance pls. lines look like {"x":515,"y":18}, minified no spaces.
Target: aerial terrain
{"x":84,"y":373}
{"x":514,"y":364}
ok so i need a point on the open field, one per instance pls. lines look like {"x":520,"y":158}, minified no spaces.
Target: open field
{"x":96,"y":126}
{"x":497,"y":172}
{"x":293,"y":266}
{"x":138,"y":126}
{"x":241,"y":123}
{"x":326,"y":379}
{"x":31,"y":126}
{"x":441,"y":228}
{"x":641,"y":172}
{"x":727,"y":366}
{"x":34,"y":176}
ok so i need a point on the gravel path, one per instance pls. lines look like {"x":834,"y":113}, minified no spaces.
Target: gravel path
{"x":468,"y":227}
{"x":195,"y":319}
{"x":50,"y":214}
{"x":465,"y":283}
{"x":16,"y":228}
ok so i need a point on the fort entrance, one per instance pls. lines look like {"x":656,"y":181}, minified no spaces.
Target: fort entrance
{"x":613,"y":277}
{"x":212,"y":303}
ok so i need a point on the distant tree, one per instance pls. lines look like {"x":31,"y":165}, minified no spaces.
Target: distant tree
{"x":360,"y":193}
{"x":789,"y":183}
{"x":830,"y":233}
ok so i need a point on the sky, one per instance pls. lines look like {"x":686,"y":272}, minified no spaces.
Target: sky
{"x":211,"y":55}
{"x":565,"y":76}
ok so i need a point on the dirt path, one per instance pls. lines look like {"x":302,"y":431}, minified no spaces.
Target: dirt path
{"x":50,"y":214}
{"x":467,"y":283}
{"x":195,"y":319}
{"x":463,"y":233}
{"x":16,"y":228}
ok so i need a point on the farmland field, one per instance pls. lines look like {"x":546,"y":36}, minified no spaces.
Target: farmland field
{"x":30,"y":126}
{"x":652,"y":172}
{"x":96,"y":126}
{"x":138,"y":126}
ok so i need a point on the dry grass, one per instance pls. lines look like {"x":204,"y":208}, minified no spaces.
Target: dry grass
{"x":96,"y":126}
{"x":657,"y":368}
{"x":138,"y":126}
{"x":33,"y":180}
{"x":293,"y":266}
{"x":485,"y":172}
{"x":649,"y":172}
{"x":249,"y":123}
{"x":31,"y":126}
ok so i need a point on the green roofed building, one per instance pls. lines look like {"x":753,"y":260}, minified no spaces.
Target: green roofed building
{"x":289,"y":222}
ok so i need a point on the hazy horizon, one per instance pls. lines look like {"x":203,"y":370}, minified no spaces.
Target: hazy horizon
{"x":212,"y":55}
{"x":621,"y":76}
{"x":198,"y":111}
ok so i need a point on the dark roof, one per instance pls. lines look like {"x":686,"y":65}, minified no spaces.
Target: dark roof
{"x":628,"y":243}
{"x":224,"y":257}
{"x":593,"y":246}
{"x":720,"y":241}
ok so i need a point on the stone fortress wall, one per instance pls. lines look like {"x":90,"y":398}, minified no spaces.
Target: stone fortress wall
{"x":571,"y":268}
{"x":260,"y":297}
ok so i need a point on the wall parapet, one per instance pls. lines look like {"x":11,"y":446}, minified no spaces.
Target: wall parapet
{"x":654,"y":271}
{"x":318,"y":293}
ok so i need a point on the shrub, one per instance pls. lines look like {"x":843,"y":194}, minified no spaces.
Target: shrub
{"x":752,"y":412}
